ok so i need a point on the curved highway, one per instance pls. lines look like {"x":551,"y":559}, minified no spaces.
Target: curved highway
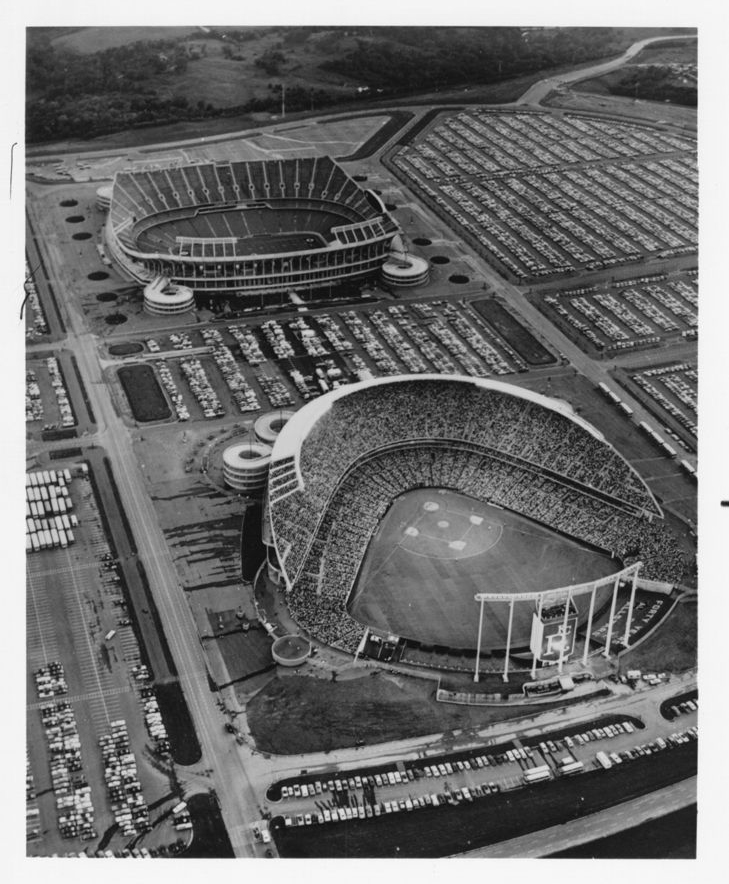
{"x":539,"y":91}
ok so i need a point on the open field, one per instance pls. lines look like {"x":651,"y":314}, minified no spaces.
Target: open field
{"x":672,"y":646}
{"x":420,"y":587}
{"x":94,"y":39}
{"x":680,"y":52}
{"x":300,"y":714}
{"x":145,"y":395}
{"x":514,"y":333}
{"x":619,"y":106}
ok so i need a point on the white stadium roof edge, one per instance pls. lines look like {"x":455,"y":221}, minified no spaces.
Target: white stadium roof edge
{"x":297,"y":428}
{"x":290,"y":439}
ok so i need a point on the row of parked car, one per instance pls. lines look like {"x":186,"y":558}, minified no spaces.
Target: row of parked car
{"x":32,"y":814}
{"x":59,"y":388}
{"x":40,"y":326}
{"x":153,"y":720}
{"x":608,"y":760}
{"x":74,"y":810}
{"x":122,"y":784}
{"x":357,"y":810}
{"x":685,"y":707}
{"x":50,"y":680}
{"x":244,"y":395}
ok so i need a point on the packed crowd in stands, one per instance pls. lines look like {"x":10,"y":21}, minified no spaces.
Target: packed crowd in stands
{"x":408,"y":411}
{"x":380,"y":442}
{"x":319,"y":594}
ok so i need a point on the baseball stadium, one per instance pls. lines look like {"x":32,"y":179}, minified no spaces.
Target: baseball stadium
{"x":395,"y":505}
{"x":245,"y":228}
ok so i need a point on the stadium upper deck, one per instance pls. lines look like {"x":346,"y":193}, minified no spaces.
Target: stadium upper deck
{"x":240,"y":227}
{"x":325,"y":439}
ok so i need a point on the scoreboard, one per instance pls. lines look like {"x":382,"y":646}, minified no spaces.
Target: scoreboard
{"x":553,"y":635}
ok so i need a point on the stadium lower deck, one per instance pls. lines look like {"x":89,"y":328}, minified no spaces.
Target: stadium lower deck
{"x":436,"y":549}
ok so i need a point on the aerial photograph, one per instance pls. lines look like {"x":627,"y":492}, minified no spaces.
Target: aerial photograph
{"x":361,"y":379}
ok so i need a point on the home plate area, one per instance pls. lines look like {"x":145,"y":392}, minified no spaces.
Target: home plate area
{"x":440,"y":532}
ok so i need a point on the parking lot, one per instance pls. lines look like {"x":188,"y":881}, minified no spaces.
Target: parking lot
{"x":86,"y":685}
{"x":543,"y":195}
{"x":47,"y":403}
{"x":449,"y":780}
{"x":240,"y":367}
{"x":613,"y":319}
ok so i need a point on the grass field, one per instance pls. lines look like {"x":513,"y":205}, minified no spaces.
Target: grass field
{"x":422,"y":586}
{"x":299,"y":714}
{"x":145,"y":395}
{"x":88,"y":40}
{"x":514,"y":333}
{"x":245,"y":653}
{"x":672,"y":646}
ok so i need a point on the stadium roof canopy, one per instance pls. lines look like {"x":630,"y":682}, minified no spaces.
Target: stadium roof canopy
{"x":298,"y":427}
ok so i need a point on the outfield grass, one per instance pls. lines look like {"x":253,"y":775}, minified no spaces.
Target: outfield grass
{"x":144,"y":393}
{"x":421,"y":588}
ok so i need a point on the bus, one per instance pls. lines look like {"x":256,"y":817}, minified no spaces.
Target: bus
{"x":626,"y":409}
{"x":571,"y":767}
{"x":603,"y":761}
{"x":537,"y":774}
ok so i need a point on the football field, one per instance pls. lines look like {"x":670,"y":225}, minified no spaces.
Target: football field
{"x":436,"y":549}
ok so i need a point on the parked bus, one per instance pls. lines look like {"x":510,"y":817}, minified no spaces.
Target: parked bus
{"x":537,"y":774}
{"x":572,"y":767}
{"x":603,"y":761}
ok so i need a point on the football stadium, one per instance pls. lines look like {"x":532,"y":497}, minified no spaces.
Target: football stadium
{"x":394,"y":505}
{"x":240,"y":228}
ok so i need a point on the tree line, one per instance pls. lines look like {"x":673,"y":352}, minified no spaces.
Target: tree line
{"x":72,"y":95}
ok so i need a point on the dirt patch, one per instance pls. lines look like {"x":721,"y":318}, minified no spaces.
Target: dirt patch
{"x":422,"y":241}
{"x":98,"y":275}
{"x":75,"y":219}
{"x":83,"y":235}
{"x":440,"y":259}
{"x":68,"y":204}
{"x":116,"y":319}
{"x":458,"y":279}
{"x":109,"y":296}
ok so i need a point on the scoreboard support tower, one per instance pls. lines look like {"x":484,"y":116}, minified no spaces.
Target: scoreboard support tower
{"x":559,"y":652}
